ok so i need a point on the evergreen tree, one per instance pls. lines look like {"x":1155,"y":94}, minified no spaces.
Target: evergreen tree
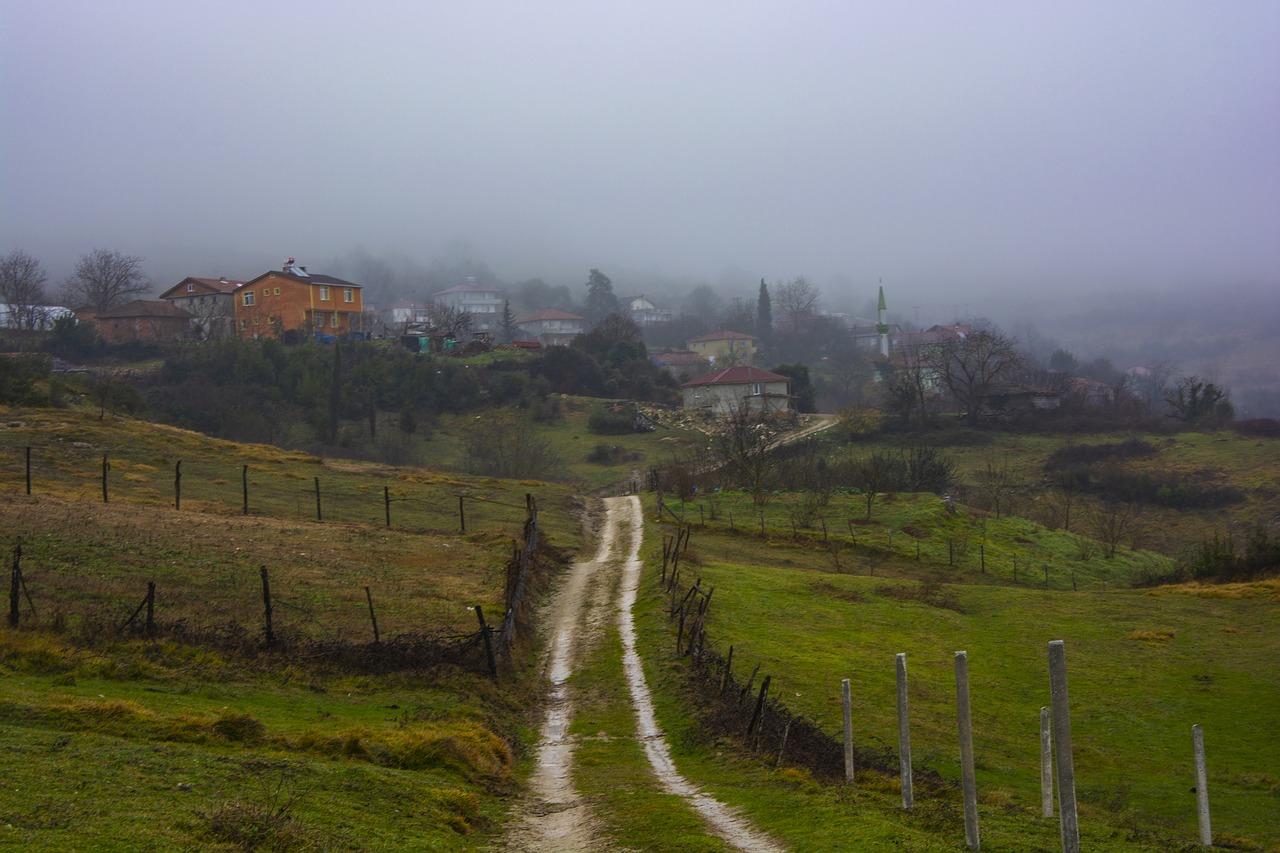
{"x":601,"y":301}
{"x":764,"y":313}
{"x":508,"y":323}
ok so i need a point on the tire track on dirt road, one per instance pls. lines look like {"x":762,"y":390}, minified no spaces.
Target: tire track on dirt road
{"x":557,"y":818}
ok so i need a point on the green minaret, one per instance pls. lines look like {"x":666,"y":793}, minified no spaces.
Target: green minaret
{"x":881,"y":326}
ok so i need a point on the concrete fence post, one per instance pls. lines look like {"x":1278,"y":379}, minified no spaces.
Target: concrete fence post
{"x":968,"y":781}
{"x":1202,"y":787}
{"x":848,"y":730}
{"x":1068,"y":819}
{"x":1046,"y":764}
{"x":904,"y":734}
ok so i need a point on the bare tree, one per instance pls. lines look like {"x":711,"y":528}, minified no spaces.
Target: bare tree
{"x":996,"y":483}
{"x":744,"y":445}
{"x":740,"y":315}
{"x":22,"y":282}
{"x":1112,"y":522}
{"x":505,"y":444}
{"x":448,"y":320}
{"x":796,"y":301}
{"x":105,"y":279}
{"x":971,"y":366}
{"x":703,"y":304}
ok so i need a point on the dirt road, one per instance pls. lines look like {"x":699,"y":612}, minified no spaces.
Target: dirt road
{"x":556,"y":817}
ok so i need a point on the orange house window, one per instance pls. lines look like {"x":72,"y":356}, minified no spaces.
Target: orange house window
{"x":324,"y":294}
{"x":248,"y":298}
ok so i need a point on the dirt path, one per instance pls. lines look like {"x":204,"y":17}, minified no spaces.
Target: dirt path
{"x":556,"y":818}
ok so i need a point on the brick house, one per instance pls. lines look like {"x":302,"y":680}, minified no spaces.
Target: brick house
{"x":722,"y":392}
{"x":293,"y":300}
{"x":148,"y":321}
{"x":209,"y":301}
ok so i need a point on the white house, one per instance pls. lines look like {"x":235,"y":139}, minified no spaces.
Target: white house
{"x":551,"y":327}
{"x":483,"y":302}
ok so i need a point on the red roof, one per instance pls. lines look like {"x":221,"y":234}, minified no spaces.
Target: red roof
{"x":217,"y":285}
{"x":722,"y":335}
{"x":144,"y":308}
{"x":737,"y":376}
{"x":549,"y":314}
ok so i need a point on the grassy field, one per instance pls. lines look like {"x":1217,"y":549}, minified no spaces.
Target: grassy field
{"x":121,"y":744}
{"x":1144,"y":667}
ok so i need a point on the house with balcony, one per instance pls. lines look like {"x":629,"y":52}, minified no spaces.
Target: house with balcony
{"x":483,"y":302}
{"x":644,"y":312}
{"x":293,"y":302}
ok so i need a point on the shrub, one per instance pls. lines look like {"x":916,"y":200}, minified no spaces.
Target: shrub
{"x":1258,"y":428}
{"x":609,"y":420}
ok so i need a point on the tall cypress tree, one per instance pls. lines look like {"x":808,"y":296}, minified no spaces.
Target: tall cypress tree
{"x":764,"y":313}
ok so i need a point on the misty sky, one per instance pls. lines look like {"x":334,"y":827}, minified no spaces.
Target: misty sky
{"x":952,"y":149}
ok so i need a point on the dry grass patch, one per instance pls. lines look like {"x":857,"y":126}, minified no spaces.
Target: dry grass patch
{"x":1151,"y":635}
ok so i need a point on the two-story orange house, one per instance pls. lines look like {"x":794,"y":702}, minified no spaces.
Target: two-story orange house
{"x":293,"y":300}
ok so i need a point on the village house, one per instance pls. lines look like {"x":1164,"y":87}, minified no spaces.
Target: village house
{"x":294,"y":301}
{"x":147,"y":321}
{"x":209,"y":301}
{"x":724,"y":347}
{"x":644,"y":312}
{"x":551,"y":327}
{"x":681,"y":362}
{"x":728,"y":390}
{"x":483,"y":302}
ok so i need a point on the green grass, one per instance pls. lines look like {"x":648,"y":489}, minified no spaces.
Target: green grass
{"x":572,"y":443}
{"x":1212,"y":661}
{"x":190,"y":741}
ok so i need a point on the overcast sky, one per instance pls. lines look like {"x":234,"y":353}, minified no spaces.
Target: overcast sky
{"x":951,"y":149}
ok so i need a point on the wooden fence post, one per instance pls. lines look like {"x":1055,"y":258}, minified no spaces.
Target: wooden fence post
{"x":28,"y":469}
{"x":106,"y":466}
{"x":15,"y":582}
{"x":1202,"y":787}
{"x":968,"y":781}
{"x":1068,"y":820}
{"x":846,"y":694}
{"x":904,"y":734}
{"x":244,"y":487}
{"x":386,"y":500}
{"x":728,"y":672}
{"x":488,"y":643}
{"x":319,"y":517}
{"x":266,"y":606}
{"x":1046,"y":764}
{"x":462,"y":516}
{"x":372,"y":617}
{"x":759,"y":712}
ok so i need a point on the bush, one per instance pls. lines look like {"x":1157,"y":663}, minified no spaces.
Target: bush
{"x":607,"y":420}
{"x":1259,"y":428}
{"x":1075,"y":455}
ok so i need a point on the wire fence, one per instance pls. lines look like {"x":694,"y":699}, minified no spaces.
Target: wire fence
{"x":298,"y":487}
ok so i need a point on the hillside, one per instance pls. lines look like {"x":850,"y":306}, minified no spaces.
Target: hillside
{"x":217,"y":740}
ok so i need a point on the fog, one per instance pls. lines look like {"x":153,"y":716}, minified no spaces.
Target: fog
{"x":978,"y":158}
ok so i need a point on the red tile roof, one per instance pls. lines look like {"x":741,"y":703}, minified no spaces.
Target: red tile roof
{"x":737,"y":376}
